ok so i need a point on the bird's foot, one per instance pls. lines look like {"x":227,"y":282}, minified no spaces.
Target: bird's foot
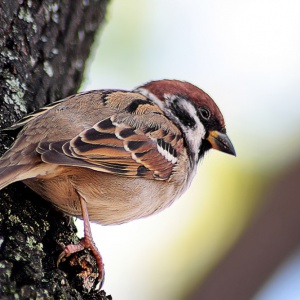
{"x":85,"y":243}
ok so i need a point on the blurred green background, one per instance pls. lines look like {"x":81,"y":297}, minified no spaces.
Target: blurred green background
{"x":245,"y":55}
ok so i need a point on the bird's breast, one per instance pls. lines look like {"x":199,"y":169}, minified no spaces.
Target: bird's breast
{"x":111,"y":199}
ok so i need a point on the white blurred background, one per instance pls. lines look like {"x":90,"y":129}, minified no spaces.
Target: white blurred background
{"x":245,"y":55}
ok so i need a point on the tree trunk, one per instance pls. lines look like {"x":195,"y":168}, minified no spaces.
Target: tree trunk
{"x":43,"y":49}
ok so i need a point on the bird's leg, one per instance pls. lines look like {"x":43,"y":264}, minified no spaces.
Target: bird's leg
{"x":86,"y":242}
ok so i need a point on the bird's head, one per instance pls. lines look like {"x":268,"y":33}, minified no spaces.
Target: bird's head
{"x":194,"y":112}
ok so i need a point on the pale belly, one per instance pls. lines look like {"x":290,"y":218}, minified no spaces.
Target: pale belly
{"x":110,"y":199}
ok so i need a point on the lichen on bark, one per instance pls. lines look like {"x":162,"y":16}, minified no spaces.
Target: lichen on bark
{"x":43,"y":49}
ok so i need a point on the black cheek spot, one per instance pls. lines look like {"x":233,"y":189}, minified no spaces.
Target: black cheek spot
{"x":182,"y":115}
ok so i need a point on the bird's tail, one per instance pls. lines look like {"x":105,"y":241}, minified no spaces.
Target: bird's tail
{"x":17,"y":161}
{"x":11,"y":174}
{"x":14,"y":165}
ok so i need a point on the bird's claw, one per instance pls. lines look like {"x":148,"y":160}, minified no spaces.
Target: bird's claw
{"x":84,"y":244}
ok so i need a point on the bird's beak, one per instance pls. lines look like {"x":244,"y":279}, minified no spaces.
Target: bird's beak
{"x":220,"y":141}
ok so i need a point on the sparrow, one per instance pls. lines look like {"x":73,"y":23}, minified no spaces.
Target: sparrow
{"x":111,"y":156}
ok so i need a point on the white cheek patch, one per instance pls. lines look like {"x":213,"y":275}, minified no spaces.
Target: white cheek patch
{"x":194,"y":135}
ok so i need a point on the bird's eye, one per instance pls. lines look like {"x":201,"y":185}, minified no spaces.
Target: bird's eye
{"x":205,"y":113}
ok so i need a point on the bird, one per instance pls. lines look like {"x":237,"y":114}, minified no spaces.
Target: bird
{"x":111,"y":156}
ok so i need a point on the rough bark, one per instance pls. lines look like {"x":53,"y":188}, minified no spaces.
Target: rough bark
{"x":43,"y":48}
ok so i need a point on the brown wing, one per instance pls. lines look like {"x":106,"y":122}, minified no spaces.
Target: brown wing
{"x":134,"y":145}
{"x":111,"y":131}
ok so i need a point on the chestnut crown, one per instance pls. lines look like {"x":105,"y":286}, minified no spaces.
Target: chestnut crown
{"x":194,"y":111}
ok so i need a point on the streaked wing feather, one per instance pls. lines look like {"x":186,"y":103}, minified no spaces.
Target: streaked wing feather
{"x":123,"y":148}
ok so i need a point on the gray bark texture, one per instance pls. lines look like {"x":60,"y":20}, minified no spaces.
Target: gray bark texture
{"x":43,"y":49}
